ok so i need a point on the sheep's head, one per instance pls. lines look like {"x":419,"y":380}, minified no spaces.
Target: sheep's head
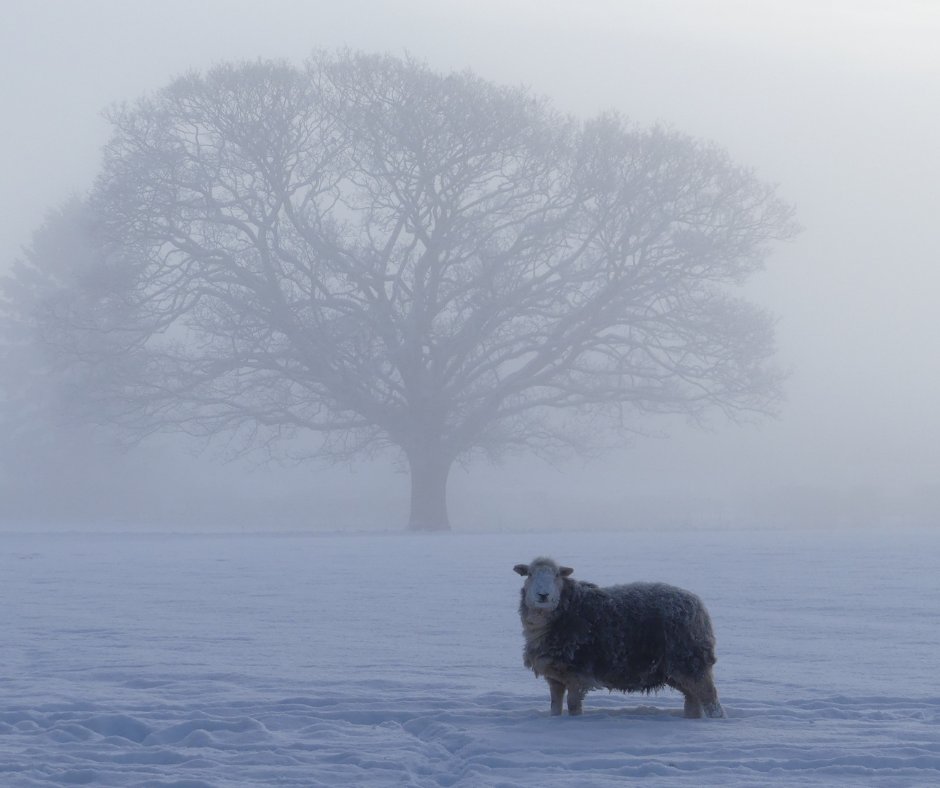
{"x":544,"y":580}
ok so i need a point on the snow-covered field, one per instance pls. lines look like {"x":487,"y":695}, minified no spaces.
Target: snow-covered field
{"x":396,"y":660}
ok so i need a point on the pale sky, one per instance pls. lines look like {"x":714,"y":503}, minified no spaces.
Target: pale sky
{"x":837,"y":102}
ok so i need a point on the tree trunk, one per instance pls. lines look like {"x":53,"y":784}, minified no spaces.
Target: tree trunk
{"x":429,"y":471}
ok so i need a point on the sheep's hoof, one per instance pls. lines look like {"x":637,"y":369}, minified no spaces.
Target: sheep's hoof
{"x":714,"y":710}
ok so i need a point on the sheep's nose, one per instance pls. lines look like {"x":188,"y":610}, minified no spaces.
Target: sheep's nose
{"x":543,"y":597}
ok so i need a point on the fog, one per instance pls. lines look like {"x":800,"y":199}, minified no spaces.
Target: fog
{"x":835,"y":102}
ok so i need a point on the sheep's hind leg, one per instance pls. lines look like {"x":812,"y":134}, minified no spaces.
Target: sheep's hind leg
{"x":575,"y":697}
{"x":557,"y":690}
{"x":708,"y":695}
{"x":692,"y":708}
{"x":714,"y":710}
{"x":701,"y":696}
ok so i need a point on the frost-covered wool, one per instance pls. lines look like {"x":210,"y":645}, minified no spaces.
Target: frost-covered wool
{"x":637,"y":637}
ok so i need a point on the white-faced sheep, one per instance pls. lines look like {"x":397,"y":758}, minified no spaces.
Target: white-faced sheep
{"x":634,"y":637}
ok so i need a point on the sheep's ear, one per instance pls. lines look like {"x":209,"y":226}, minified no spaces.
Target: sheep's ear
{"x":564,"y":571}
{"x":521,"y":569}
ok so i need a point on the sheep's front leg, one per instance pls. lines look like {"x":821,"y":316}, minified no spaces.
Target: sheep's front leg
{"x":557,"y":690}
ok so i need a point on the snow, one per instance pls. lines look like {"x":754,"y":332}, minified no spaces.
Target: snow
{"x":395,"y":660}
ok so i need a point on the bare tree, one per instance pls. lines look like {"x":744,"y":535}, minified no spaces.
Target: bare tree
{"x":393,"y":258}
{"x":59,"y":282}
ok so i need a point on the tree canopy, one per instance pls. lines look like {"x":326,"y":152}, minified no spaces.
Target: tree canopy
{"x":391,"y":258}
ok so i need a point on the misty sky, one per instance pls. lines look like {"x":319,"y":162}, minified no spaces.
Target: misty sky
{"x":837,"y":102}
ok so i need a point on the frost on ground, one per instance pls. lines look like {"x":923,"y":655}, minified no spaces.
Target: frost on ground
{"x":396,"y":660}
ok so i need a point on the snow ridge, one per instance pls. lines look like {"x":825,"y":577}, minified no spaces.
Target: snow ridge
{"x":387,"y":736}
{"x":196,"y":662}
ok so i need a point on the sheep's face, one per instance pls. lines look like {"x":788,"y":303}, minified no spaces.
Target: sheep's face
{"x":544,"y":581}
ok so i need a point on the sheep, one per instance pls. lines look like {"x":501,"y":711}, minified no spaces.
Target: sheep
{"x":637,"y":637}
